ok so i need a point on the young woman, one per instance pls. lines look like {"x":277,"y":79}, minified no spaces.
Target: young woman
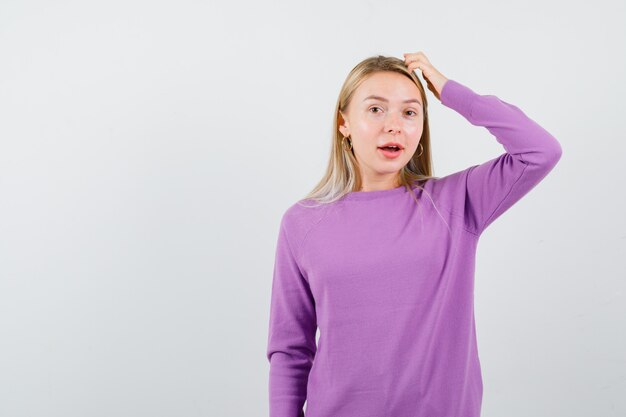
{"x":380,"y":255}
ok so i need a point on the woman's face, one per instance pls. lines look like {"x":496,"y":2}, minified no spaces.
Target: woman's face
{"x":395,"y":114}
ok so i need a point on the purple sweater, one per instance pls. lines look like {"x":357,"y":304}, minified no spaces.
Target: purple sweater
{"x":390,"y":283}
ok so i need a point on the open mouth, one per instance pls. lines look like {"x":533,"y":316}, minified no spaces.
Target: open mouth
{"x":390,"y":152}
{"x":390,"y":148}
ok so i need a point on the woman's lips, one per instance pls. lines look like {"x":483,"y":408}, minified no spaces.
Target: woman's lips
{"x":390,"y":154}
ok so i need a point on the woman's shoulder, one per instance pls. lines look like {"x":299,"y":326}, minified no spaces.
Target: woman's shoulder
{"x":302,"y":215}
{"x":448,"y":184}
{"x":305,"y":210}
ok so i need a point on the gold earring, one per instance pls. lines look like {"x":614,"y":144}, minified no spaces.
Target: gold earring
{"x":420,"y":154}
{"x":343,"y":143}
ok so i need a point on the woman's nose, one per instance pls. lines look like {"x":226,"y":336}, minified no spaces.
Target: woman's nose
{"x":393,"y":121}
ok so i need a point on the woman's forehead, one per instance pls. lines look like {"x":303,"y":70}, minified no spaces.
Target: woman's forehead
{"x":388,"y":87}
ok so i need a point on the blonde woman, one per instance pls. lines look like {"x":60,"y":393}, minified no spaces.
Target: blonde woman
{"x":380,"y":254}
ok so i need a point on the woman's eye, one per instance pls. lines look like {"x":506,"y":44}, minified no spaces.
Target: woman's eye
{"x":372,"y":108}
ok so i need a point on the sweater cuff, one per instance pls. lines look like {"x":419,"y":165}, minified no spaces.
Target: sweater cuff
{"x":458,"y":97}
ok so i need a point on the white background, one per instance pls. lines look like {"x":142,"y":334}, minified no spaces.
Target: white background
{"x":148,"y":150}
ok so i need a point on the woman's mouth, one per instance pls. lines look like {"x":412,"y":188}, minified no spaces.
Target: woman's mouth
{"x":390,"y":152}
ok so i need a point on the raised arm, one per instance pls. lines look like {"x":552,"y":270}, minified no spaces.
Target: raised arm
{"x":292,"y":326}
{"x":530,"y":154}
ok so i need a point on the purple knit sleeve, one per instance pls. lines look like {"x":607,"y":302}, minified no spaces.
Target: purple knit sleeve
{"x":530,"y":154}
{"x":292,"y":327}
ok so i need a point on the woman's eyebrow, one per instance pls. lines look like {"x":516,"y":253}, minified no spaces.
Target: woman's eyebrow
{"x":411,"y":100}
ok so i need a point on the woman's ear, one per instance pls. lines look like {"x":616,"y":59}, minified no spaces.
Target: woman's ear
{"x":343,"y":125}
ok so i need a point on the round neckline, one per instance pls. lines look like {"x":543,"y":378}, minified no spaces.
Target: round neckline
{"x":368,"y":195}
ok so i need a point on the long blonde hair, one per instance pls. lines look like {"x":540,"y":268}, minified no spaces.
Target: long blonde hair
{"x":342,"y":174}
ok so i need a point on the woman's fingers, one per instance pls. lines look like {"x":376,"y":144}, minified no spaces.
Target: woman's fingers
{"x":414,"y":54}
{"x":416,"y":60}
{"x":434,"y":79}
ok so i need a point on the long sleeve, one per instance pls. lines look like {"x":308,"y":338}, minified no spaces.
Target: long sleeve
{"x":530,"y":154}
{"x":292,"y":327}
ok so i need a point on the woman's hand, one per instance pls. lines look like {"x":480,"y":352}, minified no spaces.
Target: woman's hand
{"x":434,"y":79}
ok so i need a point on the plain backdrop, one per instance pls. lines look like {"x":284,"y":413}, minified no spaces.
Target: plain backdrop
{"x":148,"y":150}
